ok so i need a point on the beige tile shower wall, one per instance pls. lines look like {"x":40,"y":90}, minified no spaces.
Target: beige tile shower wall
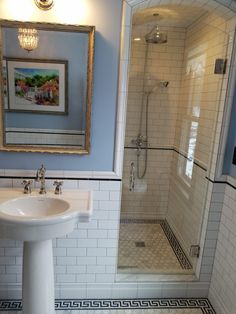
{"x":197,"y":115}
{"x":206,"y":41}
{"x":149,"y":199}
{"x":186,"y":203}
{"x":164,"y":63}
{"x":223,"y":282}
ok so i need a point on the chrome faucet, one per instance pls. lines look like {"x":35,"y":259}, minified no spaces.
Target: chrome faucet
{"x":40,"y":177}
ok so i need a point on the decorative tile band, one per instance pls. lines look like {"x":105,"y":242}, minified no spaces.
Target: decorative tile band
{"x":179,"y":252}
{"x":61,"y":177}
{"x":183,"y":154}
{"x":176,"y":247}
{"x":140,"y":221}
{"x":88,"y":304}
{"x":221,"y":182}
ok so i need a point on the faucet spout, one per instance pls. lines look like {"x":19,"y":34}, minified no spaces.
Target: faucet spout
{"x":40,"y":177}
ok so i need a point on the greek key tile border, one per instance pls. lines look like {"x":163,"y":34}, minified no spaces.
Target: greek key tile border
{"x":174,"y":243}
{"x":179,"y":252}
{"x":88,"y":304}
{"x":140,"y":221}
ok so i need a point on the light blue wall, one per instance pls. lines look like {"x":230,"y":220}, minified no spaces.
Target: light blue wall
{"x":107,"y":41}
{"x":229,"y":168}
{"x":72,"y":47}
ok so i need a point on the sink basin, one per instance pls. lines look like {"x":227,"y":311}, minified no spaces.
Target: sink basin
{"x":34,"y":207}
{"x":37,"y":217}
{"x":36,"y":220}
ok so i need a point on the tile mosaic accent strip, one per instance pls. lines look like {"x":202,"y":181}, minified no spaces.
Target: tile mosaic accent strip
{"x":140,"y":221}
{"x":222,"y":182}
{"x":88,"y":304}
{"x":182,"y":258}
{"x":10,"y":305}
{"x":62,"y":178}
{"x":183,"y":154}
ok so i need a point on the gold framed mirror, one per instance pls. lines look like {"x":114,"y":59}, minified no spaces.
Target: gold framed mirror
{"x":46,"y":90}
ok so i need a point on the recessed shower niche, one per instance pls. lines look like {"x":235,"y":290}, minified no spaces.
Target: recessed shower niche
{"x":172,"y":107}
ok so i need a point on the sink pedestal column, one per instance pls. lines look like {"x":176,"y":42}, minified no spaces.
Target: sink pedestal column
{"x":38,"y":278}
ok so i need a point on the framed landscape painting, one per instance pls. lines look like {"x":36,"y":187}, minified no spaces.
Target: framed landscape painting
{"x":38,"y":86}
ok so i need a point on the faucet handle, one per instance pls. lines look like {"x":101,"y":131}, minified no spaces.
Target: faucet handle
{"x":43,"y":169}
{"x":58,"y":185}
{"x":27,"y":186}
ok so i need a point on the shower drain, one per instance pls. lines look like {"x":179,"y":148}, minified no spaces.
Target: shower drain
{"x":140,"y":244}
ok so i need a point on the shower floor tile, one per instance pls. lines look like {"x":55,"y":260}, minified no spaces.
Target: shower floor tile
{"x":150,"y":248}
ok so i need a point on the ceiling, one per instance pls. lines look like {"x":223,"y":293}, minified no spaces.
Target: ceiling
{"x":178,"y":16}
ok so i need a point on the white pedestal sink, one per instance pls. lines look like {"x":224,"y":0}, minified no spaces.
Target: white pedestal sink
{"x":36,"y":220}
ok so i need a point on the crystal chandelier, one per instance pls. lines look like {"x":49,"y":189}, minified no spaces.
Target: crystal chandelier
{"x":28,"y":38}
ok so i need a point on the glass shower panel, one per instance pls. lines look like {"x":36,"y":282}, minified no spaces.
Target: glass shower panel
{"x":162,"y":213}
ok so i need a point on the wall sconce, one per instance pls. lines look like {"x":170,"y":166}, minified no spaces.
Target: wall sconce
{"x":44,"y":4}
{"x":28,"y":38}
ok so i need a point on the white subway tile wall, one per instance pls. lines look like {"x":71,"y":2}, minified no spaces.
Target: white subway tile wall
{"x":85,"y":260}
{"x":149,"y":199}
{"x":182,"y":116}
{"x":222,"y":290}
{"x":164,"y":63}
{"x":200,"y":95}
{"x":10,"y":266}
{"x":186,"y":203}
{"x":206,"y":40}
{"x":44,"y":136}
{"x":87,"y":255}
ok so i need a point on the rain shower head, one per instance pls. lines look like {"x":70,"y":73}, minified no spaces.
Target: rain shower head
{"x":156,"y":37}
{"x":149,"y":89}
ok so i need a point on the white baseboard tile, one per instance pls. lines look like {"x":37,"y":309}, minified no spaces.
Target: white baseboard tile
{"x":197,"y":290}
{"x":150,"y":290}
{"x":127,"y":290}
{"x":10,"y":292}
{"x":133,"y":290}
{"x":70,"y":291}
{"x":99,"y":291}
{"x":3,"y":293}
{"x":124,"y":290}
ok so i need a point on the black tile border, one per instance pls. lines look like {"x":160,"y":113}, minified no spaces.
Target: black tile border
{"x":60,"y":178}
{"x":179,"y":252}
{"x":174,"y":243}
{"x":116,"y":304}
{"x":184,"y":155}
{"x":221,"y":182}
{"x":140,"y":221}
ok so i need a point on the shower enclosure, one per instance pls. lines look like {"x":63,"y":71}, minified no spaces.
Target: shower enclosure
{"x":173,"y":98}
